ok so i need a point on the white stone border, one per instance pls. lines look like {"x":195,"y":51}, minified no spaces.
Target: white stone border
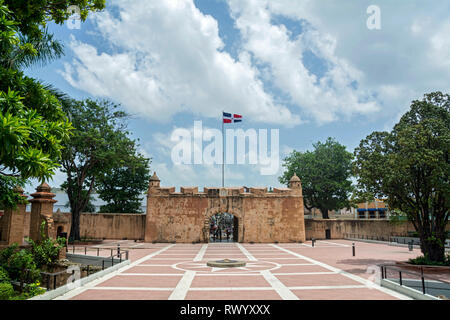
{"x":91,"y":284}
{"x":50,"y":295}
{"x":410,"y":292}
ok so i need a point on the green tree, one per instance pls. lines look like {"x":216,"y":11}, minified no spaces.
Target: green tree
{"x":33,"y":16}
{"x":122,"y":187}
{"x":325,"y":174}
{"x":32,"y":124}
{"x":410,"y":166}
{"x":100,"y":143}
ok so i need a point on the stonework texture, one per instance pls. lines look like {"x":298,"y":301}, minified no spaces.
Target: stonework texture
{"x":262,"y":216}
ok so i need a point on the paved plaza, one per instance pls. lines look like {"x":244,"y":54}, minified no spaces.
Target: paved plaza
{"x":274,"y":271}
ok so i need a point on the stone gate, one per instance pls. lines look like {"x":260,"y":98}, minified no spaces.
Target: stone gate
{"x":262,"y":215}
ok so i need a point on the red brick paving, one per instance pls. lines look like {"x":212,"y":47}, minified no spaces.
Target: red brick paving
{"x":342,"y":294}
{"x":142,"y":281}
{"x":151,"y":270}
{"x":295,"y":269}
{"x":229,"y":281}
{"x":175,"y":260}
{"x":316,"y":280}
{"x":123,"y":295}
{"x":233,"y":295}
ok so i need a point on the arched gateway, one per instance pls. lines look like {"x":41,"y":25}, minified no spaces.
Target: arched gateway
{"x":261,"y":216}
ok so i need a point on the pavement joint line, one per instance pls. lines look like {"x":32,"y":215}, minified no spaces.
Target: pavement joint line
{"x":154,"y":265}
{"x":132,"y":288}
{"x":298,"y":264}
{"x":201,"y":253}
{"x":293,"y":258}
{"x":182,"y":288}
{"x":327,"y":287}
{"x":302,"y":273}
{"x":317,"y":246}
{"x":152,"y":274}
{"x":367,"y":283}
{"x":279,"y":287}
{"x":177,"y":254}
{"x":246,"y":253}
{"x":137,"y":245}
{"x":92,"y":284}
{"x":168,"y":259}
{"x":190,"y":289}
{"x":232,"y":288}
{"x":335,"y":243}
{"x":251,"y":273}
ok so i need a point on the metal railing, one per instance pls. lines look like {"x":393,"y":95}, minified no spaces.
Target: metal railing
{"x":400,"y":239}
{"x":119,"y":253}
{"x":47,"y":277}
{"x":54,"y":275}
{"x":366,"y":237}
{"x":418,"y":279}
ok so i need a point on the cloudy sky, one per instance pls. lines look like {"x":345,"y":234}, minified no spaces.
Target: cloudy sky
{"x":310,"y":68}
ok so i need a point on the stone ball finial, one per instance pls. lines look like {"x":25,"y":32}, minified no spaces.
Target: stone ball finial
{"x":44,"y":187}
{"x":295,"y":178}
{"x":154,"y":177}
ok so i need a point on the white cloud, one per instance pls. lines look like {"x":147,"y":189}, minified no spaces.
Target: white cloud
{"x":408,"y":57}
{"x":322,"y":98}
{"x":168,"y":58}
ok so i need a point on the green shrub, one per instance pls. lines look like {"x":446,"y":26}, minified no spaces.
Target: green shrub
{"x":4,"y":277}
{"x":33,"y":289}
{"x":6,"y":291}
{"x":425,"y":261}
{"x":6,"y":253}
{"x":46,"y":251}
{"x":21,"y":267}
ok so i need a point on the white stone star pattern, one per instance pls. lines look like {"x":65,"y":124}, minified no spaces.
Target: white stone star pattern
{"x":250,"y":267}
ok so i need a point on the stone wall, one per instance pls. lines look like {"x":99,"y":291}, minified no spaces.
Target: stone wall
{"x":132,"y":226}
{"x":315,"y":228}
{"x":262,"y":216}
{"x":115,"y":226}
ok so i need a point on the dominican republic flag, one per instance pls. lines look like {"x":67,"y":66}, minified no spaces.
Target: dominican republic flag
{"x":231,"y":118}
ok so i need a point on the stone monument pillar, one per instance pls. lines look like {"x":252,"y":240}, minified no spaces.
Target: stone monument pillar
{"x":42,"y":210}
{"x":12,"y":228}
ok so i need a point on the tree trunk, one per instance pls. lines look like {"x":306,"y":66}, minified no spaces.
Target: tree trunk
{"x":75,"y":227}
{"x":433,"y":250}
{"x":324,"y":213}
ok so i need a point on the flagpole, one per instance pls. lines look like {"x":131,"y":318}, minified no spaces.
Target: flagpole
{"x":223,"y":153}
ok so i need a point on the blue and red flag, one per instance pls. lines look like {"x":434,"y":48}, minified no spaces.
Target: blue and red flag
{"x":231,"y":118}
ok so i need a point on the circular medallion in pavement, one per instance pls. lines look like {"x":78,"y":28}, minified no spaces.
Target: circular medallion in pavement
{"x":202,"y":267}
{"x":226,"y":263}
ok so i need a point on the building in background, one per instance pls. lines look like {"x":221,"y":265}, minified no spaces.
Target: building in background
{"x":346,"y":213}
{"x":376,"y":209}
